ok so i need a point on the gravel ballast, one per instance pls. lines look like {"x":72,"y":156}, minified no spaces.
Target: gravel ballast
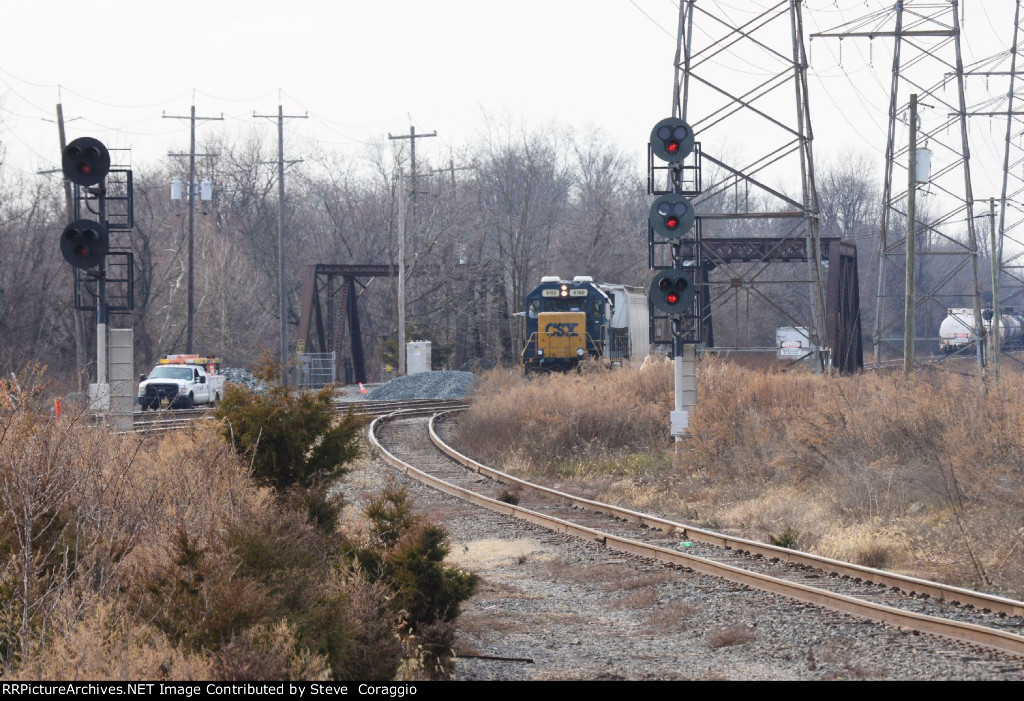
{"x":441,"y":384}
{"x":578,"y":611}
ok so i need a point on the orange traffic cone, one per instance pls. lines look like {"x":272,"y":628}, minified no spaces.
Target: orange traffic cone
{"x":362,"y":390}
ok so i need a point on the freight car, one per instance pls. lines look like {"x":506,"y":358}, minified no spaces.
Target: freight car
{"x":957,"y":330}
{"x":567,"y":321}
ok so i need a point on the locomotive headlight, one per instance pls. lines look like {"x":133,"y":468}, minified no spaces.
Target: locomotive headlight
{"x":563,"y":291}
{"x":540,"y":352}
{"x":579,"y":352}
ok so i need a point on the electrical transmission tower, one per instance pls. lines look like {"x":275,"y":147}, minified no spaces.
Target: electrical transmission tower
{"x":926,"y":62}
{"x":741,"y":84}
{"x":1004,"y":69}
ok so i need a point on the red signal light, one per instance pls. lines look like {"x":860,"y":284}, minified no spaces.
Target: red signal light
{"x":671,"y":223}
{"x":85,"y":161}
{"x":84,"y":243}
{"x":672,"y":146}
{"x":672,"y":298}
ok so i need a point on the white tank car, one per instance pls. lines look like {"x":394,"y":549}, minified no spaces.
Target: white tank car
{"x":957,"y":329}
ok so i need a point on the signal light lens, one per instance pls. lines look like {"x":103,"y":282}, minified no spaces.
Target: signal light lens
{"x":84,"y":243}
{"x":671,"y":216}
{"x":85,"y":161}
{"x":671,"y":140}
{"x":672,"y":292}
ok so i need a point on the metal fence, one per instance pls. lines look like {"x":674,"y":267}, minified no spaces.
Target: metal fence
{"x":316,"y":370}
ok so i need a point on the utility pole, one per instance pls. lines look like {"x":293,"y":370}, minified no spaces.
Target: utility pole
{"x":402,"y":226}
{"x":910,"y":300}
{"x":282,"y":279}
{"x":412,"y":136}
{"x":401,"y":273}
{"x":995,"y":329}
{"x":191,"y":215}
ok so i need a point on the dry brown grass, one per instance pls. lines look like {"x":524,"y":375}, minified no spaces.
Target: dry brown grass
{"x":736,"y":634}
{"x":85,"y":513}
{"x":635,"y":600}
{"x":672,"y":617}
{"x":131,"y":557}
{"x":558,"y":421}
{"x":835,"y":658}
{"x":922,"y":474}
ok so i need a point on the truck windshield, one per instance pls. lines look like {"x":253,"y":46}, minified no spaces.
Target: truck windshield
{"x":171,"y":373}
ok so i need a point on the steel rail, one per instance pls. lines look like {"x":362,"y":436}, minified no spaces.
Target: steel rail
{"x":904,"y":583}
{"x":954,"y":630}
{"x":167,"y":420}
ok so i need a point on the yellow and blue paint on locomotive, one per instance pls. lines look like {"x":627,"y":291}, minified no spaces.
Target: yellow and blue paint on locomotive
{"x":567,"y":321}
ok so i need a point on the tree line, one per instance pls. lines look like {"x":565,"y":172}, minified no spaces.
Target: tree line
{"x":483,"y":226}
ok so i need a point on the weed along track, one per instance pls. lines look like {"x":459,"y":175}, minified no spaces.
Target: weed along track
{"x":815,"y":594}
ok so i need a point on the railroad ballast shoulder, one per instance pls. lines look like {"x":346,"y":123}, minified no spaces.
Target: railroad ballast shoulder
{"x":566,"y":321}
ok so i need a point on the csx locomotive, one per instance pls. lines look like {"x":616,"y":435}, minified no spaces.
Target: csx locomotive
{"x":568,"y":321}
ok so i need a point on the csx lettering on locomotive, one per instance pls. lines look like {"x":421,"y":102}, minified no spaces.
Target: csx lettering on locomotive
{"x":561,"y":329}
{"x":567,"y":321}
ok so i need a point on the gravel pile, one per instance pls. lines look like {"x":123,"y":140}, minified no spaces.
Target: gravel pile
{"x":443,"y":384}
{"x":241,"y":376}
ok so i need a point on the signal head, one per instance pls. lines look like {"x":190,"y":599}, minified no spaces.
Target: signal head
{"x":672,"y":216}
{"x":85,"y":161}
{"x":672,"y":292}
{"x":672,"y":140}
{"x":84,"y":243}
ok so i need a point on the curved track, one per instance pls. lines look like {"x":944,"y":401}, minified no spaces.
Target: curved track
{"x":906,"y":602}
{"x":172,"y":419}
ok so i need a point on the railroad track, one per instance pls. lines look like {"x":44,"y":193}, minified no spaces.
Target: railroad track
{"x":174,"y":419}
{"x":905,"y":602}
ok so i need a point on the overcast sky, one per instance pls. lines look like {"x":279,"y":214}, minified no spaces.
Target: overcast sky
{"x":363,"y":68}
{"x":359,"y":68}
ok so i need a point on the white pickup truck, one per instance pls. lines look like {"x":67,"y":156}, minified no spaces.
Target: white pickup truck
{"x":181,"y":381}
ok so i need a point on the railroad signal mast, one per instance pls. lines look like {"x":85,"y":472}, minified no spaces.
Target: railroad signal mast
{"x":86,"y":245}
{"x":673,"y":295}
{"x":86,"y":242}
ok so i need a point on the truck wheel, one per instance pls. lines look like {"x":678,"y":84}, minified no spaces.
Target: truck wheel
{"x":188,"y":401}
